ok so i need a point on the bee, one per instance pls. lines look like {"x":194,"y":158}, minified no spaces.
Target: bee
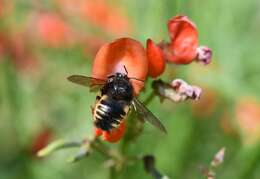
{"x":115,"y":101}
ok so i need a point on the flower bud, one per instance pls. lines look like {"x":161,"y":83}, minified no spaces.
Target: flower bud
{"x":177,"y":91}
{"x":204,"y":55}
{"x":185,"y":90}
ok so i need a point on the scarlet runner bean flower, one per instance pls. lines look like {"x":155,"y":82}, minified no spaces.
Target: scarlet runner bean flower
{"x":99,"y":13}
{"x":108,"y":17}
{"x":247,"y":113}
{"x":52,"y":30}
{"x":14,"y":46}
{"x":110,"y":59}
{"x":182,"y":49}
{"x":183,"y":46}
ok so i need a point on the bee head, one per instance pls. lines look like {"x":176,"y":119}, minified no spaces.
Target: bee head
{"x":117,"y":77}
{"x":119,"y":87}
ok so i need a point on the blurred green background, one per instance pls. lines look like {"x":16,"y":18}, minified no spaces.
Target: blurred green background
{"x":37,"y":103}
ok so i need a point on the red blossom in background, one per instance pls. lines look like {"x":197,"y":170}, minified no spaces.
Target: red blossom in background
{"x":6,"y":8}
{"x":52,"y":30}
{"x":2,"y":45}
{"x":14,"y":46}
{"x":1,"y":8}
{"x":108,"y":17}
{"x":41,"y":140}
{"x":100,"y":13}
{"x":247,"y":113}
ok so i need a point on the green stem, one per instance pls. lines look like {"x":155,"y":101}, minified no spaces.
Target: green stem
{"x":113,"y":173}
{"x":102,"y":149}
{"x":149,"y":98}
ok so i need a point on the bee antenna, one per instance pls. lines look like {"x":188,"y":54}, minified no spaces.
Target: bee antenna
{"x":125,"y":70}
{"x":137,"y":79}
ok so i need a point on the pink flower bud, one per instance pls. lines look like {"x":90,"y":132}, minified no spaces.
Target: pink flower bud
{"x":204,"y":55}
{"x":185,"y":90}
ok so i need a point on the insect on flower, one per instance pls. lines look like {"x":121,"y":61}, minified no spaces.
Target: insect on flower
{"x":115,"y":101}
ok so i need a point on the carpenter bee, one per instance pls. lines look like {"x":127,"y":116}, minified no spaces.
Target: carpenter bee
{"x":115,"y":101}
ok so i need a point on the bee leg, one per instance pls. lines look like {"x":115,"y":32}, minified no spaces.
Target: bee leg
{"x":98,"y":98}
{"x":133,"y":104}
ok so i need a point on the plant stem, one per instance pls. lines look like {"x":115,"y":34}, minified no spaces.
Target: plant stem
{"x":102,"y":149}
{"x":149,"y":98}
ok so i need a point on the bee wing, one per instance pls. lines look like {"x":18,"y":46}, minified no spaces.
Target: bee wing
{"x":147,"y":115}
{"x":87,"y":81}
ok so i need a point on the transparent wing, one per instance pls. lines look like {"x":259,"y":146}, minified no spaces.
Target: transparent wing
{"x":86,"y":81}
{"x":147,"y":115}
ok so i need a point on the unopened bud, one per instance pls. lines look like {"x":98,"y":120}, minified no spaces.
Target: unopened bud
{"x":185,"y":90}
{"x":177,"y":91}
{"x":204,"y":55}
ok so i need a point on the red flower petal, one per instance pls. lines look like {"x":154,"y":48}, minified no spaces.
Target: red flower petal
{"x":98,"y":132}
{"x":184,"y":40}
{"x":116,"y":134}
{"x":112,"y":58}
{"x":155,"y":58}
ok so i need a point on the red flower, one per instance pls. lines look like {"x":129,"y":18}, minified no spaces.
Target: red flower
{"x":248,"y":119}
{"x":1,"y":8}
{"x":184,"y":40}
{"x":183,"y":47}
{"x":155,"y":58}
{"x":109,"y":18}
{"x":14,"y":45}
{"x":41,"y":140}
{"x":2,"y":45}
{"x":52,"y":30}
{"x":114,"y":135}
{"x":112,"y":58}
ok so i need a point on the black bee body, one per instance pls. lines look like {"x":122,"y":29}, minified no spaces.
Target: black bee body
{"x":114,"y":103}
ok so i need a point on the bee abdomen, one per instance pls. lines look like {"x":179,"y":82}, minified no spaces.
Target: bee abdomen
{"x":109,"y":113}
